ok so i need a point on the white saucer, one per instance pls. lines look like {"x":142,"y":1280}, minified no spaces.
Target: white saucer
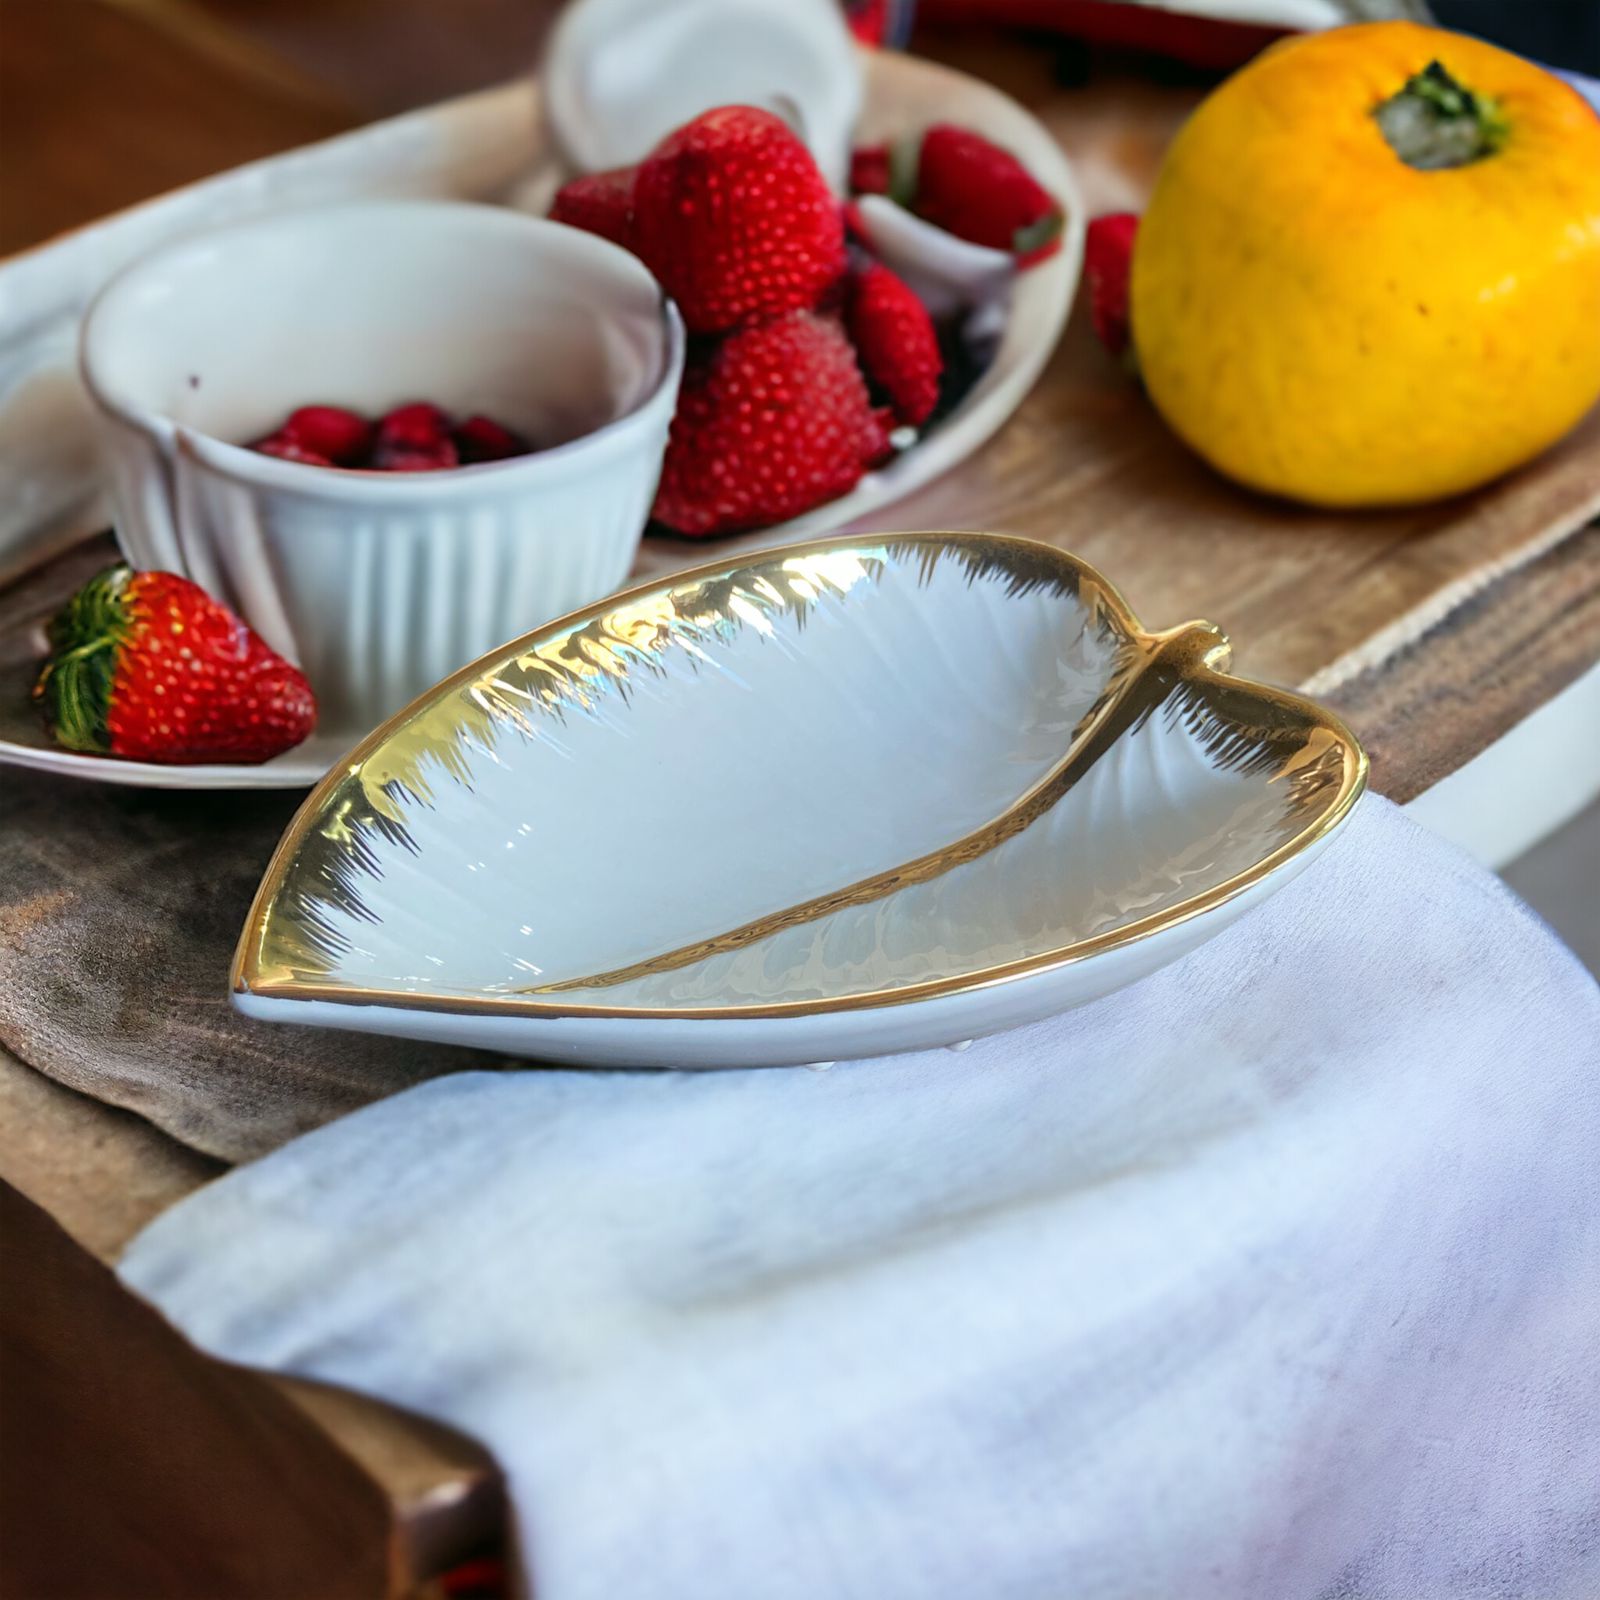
{"x":299,"y":768}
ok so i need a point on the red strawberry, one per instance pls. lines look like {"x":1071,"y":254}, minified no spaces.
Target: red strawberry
{"x":894,"y":337}
{"x":341,"y":436}
{"x":962,"y":183}
{"x":734,"y":219}
{"x":415,"y":425}
{"x":774,"y":421}
{"x":484,"y":439}
{"x":1107,"y":257}
{"x":414,"y":438}
{"x":869,"y":169}
{"x":868,"y":19}
{"x":482,"y":1578}
{"x":147,"y":666}
{"x":286,"y":449}
{"x":598,"y":202}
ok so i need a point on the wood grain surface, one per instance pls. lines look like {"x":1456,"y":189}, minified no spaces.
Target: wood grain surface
{"x":1518,"y":643}
{"x":285,"y":1511}
{"x":1310,"y":599}
{"x":102,"y":1174}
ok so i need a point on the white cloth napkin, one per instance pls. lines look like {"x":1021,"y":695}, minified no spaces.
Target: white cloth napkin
{"x":1275,"y":1275}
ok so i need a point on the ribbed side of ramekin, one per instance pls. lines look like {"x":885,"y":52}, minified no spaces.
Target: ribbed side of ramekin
{"x":378,"y":601}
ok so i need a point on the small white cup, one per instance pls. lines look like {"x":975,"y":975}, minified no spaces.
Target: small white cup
{"x":379,"y":584}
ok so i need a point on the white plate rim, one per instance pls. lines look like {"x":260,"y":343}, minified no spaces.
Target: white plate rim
{"x":299,"y":768}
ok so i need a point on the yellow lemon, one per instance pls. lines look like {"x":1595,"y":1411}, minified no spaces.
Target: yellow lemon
{"x":1370,"y":271}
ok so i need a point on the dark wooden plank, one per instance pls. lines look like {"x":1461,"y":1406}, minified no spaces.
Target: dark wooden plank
{"x":102,"y":1174}
{"x":99,"y":109}
{"x":117,"y":1432}
{"x":1502,"y":654}
{"x":388,"y":55}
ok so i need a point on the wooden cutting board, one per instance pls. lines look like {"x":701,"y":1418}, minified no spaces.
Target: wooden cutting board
{"x":1333,"y":603}
{"x":1310,"y":598}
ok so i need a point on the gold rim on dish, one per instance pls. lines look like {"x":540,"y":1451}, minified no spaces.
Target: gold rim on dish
{"x":1195,"y":654}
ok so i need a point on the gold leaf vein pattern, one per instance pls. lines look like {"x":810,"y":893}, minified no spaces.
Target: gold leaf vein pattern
{"x":319,"y":890}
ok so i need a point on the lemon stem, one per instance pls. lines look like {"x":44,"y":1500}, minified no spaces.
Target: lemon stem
{"x":1437,"y":122}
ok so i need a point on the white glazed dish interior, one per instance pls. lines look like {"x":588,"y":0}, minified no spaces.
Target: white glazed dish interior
{"x":379,"y":584}
{"x":769,"y":814}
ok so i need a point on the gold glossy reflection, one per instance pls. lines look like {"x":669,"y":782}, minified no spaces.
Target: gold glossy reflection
{"x":319,"y":876}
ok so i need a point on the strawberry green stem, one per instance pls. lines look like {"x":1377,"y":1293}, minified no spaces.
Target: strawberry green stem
{"x":1038,"y":235}
{"x":80,"y":653}
{"x":1436,"y":122}
{"x":905,"y":157}
{"x":74,"y":689}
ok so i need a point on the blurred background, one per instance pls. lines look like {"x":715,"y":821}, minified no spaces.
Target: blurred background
{"x":104,"y":102}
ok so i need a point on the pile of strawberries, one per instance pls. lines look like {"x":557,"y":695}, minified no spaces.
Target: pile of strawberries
{"x":415,"y":437}
{"x":802,"y":363}
{"x":807,"y":354}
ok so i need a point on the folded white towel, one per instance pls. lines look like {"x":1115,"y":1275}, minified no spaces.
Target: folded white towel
{"x":1276,"y":1275}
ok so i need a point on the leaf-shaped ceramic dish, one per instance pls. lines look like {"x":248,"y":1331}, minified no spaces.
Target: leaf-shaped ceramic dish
{"x":843,"y":798}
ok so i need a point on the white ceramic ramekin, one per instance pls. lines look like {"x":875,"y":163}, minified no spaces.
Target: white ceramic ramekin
{"x":379,"y":584}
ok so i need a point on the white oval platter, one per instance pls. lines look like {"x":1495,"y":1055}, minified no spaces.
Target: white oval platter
{"x":482,"y":146}
{"x":294,"y":769}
